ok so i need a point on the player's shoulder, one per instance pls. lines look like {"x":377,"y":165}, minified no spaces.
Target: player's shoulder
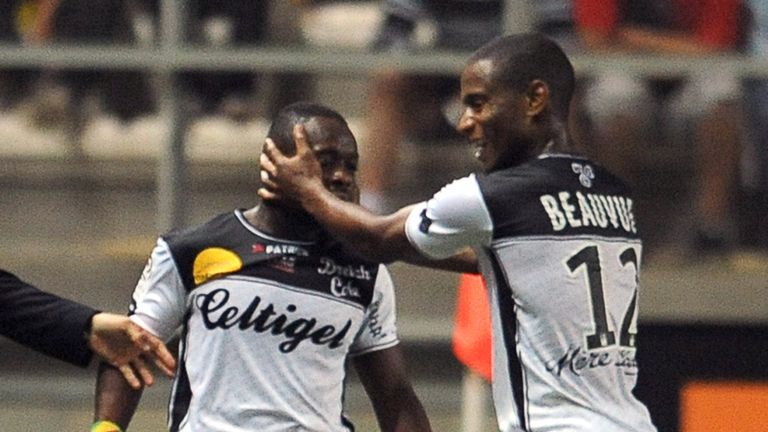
{"x":552,"y":172}
{"x":589,"y":173}
{"x":213,"y":231}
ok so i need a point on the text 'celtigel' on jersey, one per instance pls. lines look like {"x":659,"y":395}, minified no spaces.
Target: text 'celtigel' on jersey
{"x":266,"y":325}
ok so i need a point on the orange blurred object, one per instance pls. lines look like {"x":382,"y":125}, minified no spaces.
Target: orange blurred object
{"x":472,"y":326}
{"x":739,"y":406}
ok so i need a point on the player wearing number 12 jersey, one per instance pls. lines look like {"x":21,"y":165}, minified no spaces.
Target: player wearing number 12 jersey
{"x":554,"y":235}
{"x":560,"y":255}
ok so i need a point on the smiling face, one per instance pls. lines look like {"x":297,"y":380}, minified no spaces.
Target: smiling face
{"x":493,"y":118}
{"x":335,"y":148}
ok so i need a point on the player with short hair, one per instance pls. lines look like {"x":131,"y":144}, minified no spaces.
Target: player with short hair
{"x":554,"y":233}
{"x":270,"y":308}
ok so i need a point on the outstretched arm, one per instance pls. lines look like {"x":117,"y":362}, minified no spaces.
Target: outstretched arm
{"x":71,"y":331}
{"x":124,"y":345}
{"x":397,"y":407}
{"x":377,"y":238}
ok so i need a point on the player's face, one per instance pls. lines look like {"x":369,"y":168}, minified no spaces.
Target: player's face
{"x":493,"y":118}
{"x":335,"y":148}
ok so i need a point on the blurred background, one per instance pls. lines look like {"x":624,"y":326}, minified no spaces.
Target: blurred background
{"x":122,"y":119}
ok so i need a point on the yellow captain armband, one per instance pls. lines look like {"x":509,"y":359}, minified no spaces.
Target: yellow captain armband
{"x":105,"y":426}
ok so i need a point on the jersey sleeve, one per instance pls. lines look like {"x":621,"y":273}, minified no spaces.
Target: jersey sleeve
{"x":158,"y":303}
{"x":454,"y":218}
{"x":379,"y":330}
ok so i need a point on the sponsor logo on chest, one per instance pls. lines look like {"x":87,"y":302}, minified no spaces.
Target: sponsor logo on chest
{"x":287,"y":323}
{"x":279,"y":249}
{"x":343,"y":277}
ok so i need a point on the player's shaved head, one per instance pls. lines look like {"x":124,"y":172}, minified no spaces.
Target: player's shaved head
{"x":281,"y":130}
{"x":522,"y":58}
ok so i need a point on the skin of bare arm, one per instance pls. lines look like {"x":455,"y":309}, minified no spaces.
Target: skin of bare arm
{"x":115,"y":400}
{"x":125,"y":345}
{"x":377,"y":238}
{"x":383,"y":376}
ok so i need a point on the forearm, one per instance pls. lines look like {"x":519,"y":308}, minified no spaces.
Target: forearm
{"x":115,"y":401}
{"x":397,"y":408}
{"x":374,"y":237}
{"x":401,"y":412}
{"x":377,"y":238}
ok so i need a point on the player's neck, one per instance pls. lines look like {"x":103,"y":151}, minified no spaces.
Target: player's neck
{"x":283,"y":222}
{"x":560,"y":142}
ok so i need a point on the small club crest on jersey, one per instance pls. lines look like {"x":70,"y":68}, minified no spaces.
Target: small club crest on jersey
{"x":585,"y":172}
{"x":425,"y":222}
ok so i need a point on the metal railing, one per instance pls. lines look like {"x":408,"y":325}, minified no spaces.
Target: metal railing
{"x":340,"y":62}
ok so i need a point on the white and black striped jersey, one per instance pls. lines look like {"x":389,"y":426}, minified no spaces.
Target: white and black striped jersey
{"x":266,"y":325}
{"x":559,"y":249}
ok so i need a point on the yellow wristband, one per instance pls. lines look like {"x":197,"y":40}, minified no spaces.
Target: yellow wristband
{"x":105,"y":426}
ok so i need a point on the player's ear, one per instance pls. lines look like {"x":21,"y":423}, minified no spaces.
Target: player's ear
{"x":537,"y":97}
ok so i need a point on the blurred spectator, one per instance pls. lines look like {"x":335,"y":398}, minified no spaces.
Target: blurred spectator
{"x":626,"y":109}
{"x":231,"y":24}
{"x":14,"y":83}
{"x":124,"y":94}
{"x":404,"y":106}
{"x":225,"y":23}
{"x":418,"y":107}
{"x":755,"y":231}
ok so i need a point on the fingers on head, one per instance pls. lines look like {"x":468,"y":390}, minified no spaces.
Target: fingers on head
{"x":269,"y":151}
{"x":266,"y":194}
{"x":267,"y":182}
{"x":300,"y":138}
{"x":266,"y":164}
